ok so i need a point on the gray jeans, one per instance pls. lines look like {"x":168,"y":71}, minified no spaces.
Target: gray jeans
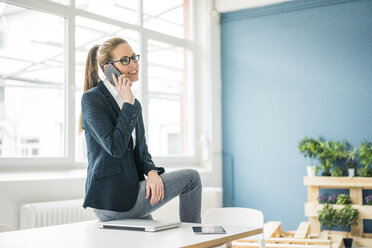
{"x":185,"y":183}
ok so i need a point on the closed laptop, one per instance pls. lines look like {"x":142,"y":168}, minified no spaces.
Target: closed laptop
{"x":140,"y":225}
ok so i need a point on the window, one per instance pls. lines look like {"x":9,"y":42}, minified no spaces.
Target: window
{"x":173,"y":143}
{"x":30,"y":147}
{"x":169,"y":89}
{"x":31,"y":83}
{"x":122,"y":10}
{"x":42,"y":70}
{"x":168,"y":16}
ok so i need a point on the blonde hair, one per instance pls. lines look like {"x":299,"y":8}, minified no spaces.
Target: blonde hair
{"x":98,"y":55}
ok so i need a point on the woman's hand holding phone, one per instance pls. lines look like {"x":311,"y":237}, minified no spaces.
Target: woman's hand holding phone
{"x":122,"y":85}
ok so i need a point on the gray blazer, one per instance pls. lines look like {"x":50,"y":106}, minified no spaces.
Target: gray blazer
{"x":114,"y":168}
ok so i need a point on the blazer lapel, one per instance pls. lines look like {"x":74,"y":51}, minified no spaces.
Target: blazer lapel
{"x":139,"y":130}
{"x":107,"y":93}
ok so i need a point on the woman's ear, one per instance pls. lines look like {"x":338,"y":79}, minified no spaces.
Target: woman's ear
{"x":104,"y":67}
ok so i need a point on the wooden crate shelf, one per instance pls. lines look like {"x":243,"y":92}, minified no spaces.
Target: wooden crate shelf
{"x":312,"y":208}
{"x":356,"y":185}
{"x":339,"y":182}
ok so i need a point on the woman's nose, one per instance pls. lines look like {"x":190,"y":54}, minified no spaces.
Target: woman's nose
{"x":132,"y":64}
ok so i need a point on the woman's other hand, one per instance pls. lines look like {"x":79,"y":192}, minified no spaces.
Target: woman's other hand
{"x":122,"y":85}
{"x":155,"y":187}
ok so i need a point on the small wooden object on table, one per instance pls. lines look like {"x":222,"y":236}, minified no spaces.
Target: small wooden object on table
{"x":301,"y":238}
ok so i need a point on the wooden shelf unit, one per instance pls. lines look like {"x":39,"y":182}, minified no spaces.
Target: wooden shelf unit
{"x":355,"y":186}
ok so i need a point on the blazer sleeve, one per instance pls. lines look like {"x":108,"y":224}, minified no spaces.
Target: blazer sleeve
{"x":114,"y":138}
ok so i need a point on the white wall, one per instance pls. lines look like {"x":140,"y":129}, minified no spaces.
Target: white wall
{"x":13,"y":193}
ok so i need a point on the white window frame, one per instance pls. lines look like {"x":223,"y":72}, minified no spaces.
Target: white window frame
{"x":70,"y":12}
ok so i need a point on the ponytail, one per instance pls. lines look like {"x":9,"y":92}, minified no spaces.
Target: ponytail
{"x":91,"y":69}
{"x":91,"y":74}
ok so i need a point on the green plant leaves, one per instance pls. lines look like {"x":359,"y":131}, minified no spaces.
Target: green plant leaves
{"x":365,"y":153}
{"x":345,"y":217}
{"x":365,"y":172}
{"x":338,"y":172}
{"x":309,"y":147}
{"x":327,"y":216}
{"x":327,"y":152}
{"x":343,"y":199}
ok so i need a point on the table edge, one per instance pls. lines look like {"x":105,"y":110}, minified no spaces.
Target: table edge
{"x":225,"y":239}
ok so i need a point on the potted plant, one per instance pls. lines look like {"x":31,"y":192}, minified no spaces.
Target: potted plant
{"x":351,"y":161}
{"x":343,"y":199}
{"x":338,"y":172}
{"x":327,"y":154}
{"x":341,"y":149}
{"x":309,"y":148}
{"x":327,"y":216}
{"x":346,"y":217}
{"x":368,"y":199}
{"x":365,"y":155}
{"x":324,"y":198}
{"x":341,"y":152}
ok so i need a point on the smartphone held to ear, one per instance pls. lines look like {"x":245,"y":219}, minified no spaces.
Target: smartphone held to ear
{"x":108,"y":72}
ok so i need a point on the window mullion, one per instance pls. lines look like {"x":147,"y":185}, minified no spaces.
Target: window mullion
{"x":144,"y":80}
{"x":70,"y":88}
{"x":143,"y":47}
{"x":140,"y":13}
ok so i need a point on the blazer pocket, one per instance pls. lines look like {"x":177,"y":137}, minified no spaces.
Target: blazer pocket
{"x":106,"y":172}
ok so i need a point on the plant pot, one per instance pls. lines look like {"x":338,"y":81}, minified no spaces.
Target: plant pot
{"x":348,"y":242}
{"x":310,"y":171}
{"x":326,"y":174}
{"x":351,"y":172}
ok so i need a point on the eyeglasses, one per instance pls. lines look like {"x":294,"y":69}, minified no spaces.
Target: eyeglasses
{"x":126,"y":60}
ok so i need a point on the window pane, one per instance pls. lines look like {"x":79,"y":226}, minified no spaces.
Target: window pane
{"x":172,"y":17}
{"x":31,"y":83}
{"x":88,"y":34}
{"x":170,"y":101}
{"x":121,"y":10}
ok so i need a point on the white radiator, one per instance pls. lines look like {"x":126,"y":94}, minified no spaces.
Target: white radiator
{"x":53,"y":213}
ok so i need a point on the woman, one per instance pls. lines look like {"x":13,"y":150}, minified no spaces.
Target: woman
{"x":117,"y":152}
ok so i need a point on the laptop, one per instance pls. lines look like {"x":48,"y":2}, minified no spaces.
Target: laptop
{"x":139,"y":225}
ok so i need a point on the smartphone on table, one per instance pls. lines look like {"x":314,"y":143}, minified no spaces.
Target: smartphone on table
{"x":208,"y":230}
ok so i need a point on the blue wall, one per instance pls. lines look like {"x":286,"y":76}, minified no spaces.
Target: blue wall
{"x":288,"y":71}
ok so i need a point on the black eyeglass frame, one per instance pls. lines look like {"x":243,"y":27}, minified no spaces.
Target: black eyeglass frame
{"x":135,"y":58}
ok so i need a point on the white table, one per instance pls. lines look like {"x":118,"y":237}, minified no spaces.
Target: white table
{"x":88,"y":235}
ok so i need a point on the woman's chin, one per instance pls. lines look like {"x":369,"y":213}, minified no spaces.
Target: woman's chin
{"x":133,"y":79}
